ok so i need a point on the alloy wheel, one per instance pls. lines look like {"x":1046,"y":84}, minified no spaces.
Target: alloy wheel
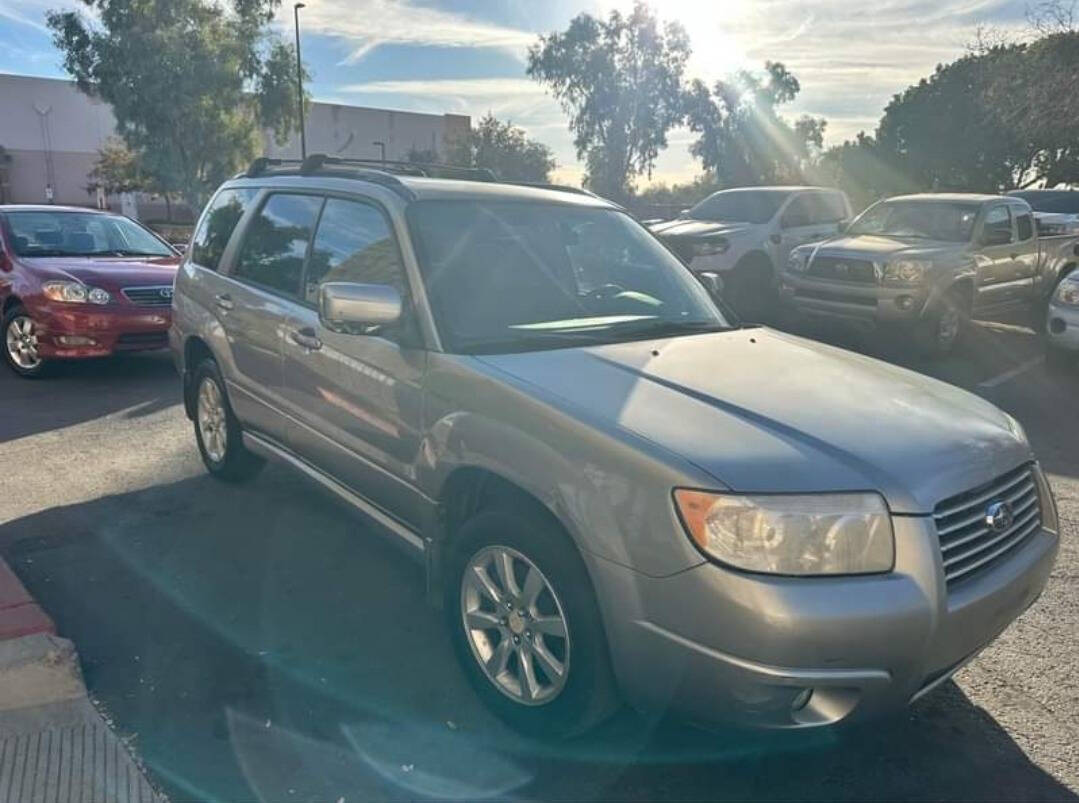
{"x":515,"y":624}
{"x":213,"y":424}
{"x":22,"y":343}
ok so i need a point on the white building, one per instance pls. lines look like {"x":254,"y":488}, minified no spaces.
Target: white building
{"x":52,"y":133}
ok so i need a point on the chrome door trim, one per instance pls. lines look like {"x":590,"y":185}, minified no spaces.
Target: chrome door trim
{"x":266,"y":448}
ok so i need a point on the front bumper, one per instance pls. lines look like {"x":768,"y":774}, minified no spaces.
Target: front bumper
{"x":1062,"y":327}
{"x":70,"y":331}
{"x":717,"y":645}
{"x":855,"y":302}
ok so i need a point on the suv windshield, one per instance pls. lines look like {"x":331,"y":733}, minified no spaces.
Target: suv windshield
{"x":740,"y":206}
{"x":523,"y":276}
{"x":922,"y":220}
{"x":1063,"y":202}
{"x":62,"y":234}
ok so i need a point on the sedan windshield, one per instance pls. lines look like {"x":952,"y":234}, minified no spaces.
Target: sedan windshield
{"x":524,"y":276}
{"x":62,"y":234}
{"x":740,"y":206}
{"x":920,"y":220}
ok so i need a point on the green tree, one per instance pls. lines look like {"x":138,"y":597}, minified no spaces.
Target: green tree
{"x":742,"y":140}
{"x":620,"y":82}
{"x":864,"y":171}
{"x":191,"y":82}
{"x":503,"y":148}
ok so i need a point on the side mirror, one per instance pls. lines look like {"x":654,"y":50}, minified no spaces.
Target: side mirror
{"x":712,"y":282}
{"x":348,"y":304}
{"x":842,"y":225}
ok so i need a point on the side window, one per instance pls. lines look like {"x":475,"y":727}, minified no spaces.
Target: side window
{"x":216,"y":226}
{"x":997,"y":229}
{"x":353,"y":244}
{"x":275,"y":243}
{"x":1024,"y":224}
{"x":829,"y":208}
{"x":798,"y":213}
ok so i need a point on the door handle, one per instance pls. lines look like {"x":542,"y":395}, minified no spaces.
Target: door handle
{"x":305,"y":338}
{"x":224,"y":301}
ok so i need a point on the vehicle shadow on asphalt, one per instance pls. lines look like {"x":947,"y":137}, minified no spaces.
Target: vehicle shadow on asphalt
{"x":83,"y":390}
{"x":259,"y":644}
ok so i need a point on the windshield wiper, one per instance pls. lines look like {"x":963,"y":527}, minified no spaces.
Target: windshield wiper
{"x":657,"y":327}
{"x":121,"y":252}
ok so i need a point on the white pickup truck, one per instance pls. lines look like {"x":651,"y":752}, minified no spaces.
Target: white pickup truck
{"x":745,"y":235}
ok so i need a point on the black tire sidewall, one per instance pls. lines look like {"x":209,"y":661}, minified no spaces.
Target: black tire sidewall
{"x":238,"y":463}
{"x":26,"y":373}
{"x":588,"y":696}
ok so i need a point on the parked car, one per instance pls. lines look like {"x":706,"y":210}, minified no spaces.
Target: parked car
{"x":615,"y":494}
{"x":78,"y":283}
{"x":929,"y":263}
{"x":1062,"y":323}
{"x":745,"y":236}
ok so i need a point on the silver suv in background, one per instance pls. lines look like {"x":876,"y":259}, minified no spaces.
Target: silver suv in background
{"x":745,"y":236}
{"x":616,"y":494}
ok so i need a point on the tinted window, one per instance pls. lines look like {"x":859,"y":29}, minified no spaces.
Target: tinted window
{"x":275,"y":243}
{"x":216,"y":226}
{"x":353,"y":244}
{"x":998,"y":225}
{"x":1064,"y":201}
{"x":740,"y":206}
{"x":798,"y":213}
{"x":1024,"y":223}
{"x":828,"y":207}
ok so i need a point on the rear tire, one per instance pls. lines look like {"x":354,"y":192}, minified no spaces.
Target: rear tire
{"x":19,"y":342}
{"x":521,"y":627}
{"x":217,"y":430}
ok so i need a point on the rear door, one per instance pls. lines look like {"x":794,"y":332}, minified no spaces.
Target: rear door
{"x":255,"y":301}
{"x":356,"y":396}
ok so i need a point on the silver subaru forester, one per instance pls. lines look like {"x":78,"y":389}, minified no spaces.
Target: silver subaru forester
{"x":618,"y":493}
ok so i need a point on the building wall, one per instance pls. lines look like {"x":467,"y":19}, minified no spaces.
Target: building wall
{"x":53,"y":133}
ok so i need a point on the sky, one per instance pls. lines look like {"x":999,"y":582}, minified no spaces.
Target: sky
{"x":469,"y":56}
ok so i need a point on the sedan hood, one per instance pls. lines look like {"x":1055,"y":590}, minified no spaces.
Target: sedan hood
{"x":763,"y":411}
{"x":874,"y":247}
{"x":696,"y":228}
{"x":108,"y":273}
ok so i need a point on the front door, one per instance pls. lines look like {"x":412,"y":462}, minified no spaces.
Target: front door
{"x":356,"y":396}
{"x":1000,"y":280}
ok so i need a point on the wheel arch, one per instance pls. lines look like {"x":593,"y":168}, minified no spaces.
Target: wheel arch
{"x":195,"y":351}
{"x":9,"y":304}
{"x":757,"y":256}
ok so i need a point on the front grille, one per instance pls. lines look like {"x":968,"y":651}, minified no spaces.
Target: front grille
{"x":142,"y":340}
{"x":152,"y":296}
{"x":839,"y":269}
{"x":840,"y":298}
{"x":967,"y":542}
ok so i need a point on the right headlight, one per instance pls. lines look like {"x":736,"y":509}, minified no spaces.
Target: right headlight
{"x":1048,"y":503}
{"x":906,"y":271}
{"x":1068,"y":292}
{"x":796,"y":534}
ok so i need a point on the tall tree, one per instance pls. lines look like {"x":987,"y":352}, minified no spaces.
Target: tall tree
{"x":503,"y":148}
{"x":620,"y":81}
{"x":742,"y":139}
{"x":191,"y":82}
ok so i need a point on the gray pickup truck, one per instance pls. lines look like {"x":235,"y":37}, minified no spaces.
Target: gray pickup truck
{"x":929,"y":263}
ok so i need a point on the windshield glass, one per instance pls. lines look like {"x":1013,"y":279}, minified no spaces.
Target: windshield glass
{"x":48,"y":233}
{"x":740,"y":206}
{"x":922,"y":220}
{"x":523,"y":276}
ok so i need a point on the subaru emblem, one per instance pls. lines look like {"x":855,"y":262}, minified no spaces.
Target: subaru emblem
{"x":999,"y":517}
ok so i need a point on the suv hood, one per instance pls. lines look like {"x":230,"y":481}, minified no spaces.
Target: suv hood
{"x":697,"y":228}
{"x":108,"y":273}
{"x":763,"y":411}
{"x":873,"y":247}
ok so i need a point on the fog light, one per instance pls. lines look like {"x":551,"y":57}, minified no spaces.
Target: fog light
{"x":76,"y":340}
{"x":905,"y":302}
{"x":801,"y":700}
{"x":1057,"y":326}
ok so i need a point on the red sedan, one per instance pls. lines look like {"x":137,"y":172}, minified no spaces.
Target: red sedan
{"x":78,"y":283}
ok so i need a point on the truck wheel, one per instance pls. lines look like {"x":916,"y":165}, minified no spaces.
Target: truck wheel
{"x":525,"y":626}
{"x":751,"y":291}
{"x":940,"y":330}
{"x":20,"y":344}
{"x":217,"y":430}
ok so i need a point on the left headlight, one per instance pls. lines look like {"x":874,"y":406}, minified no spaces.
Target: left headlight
{"x":802,"y":534}
{"x":798,"y":261}
{"x":707,"y":248}
{"x":906,"y":271}
{"x":75,"y":293}
{"x":1068,"y":292}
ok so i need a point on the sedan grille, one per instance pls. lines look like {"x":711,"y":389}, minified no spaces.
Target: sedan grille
{"x":151,"y":296}
{"x":980,"y":526}
{"x":839,"y":269}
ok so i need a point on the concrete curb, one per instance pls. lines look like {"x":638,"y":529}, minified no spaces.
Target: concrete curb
{"x":20,"y":615}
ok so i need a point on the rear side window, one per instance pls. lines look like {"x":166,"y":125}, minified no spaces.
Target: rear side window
{"x":217,"y":224}
{"x":353,"y":244}
{"x":828,"y":207}
{"x":1024,"y":224}
{"x":275,"y":242}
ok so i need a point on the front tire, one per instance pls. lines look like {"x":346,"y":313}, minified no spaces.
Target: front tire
{"x":525,"y":625}
{"x":217,"y":430}
{"x":20,"y":344}
{"x":751,"y":290}
{"x":940,"y":331}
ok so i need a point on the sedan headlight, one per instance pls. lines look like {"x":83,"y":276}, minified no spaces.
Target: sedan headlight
{"x":906,"y":271}
{"x":804,"y":534}
{"x":1068,"y":292}
{"x":707,"y":248}
{"x":75,"y":293}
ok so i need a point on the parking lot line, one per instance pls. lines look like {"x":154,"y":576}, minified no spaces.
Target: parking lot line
{"x":1022,"y":368}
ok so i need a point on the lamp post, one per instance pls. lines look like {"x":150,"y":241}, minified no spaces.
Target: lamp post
{"x":382,"y":149}
{"x":299,"y":78}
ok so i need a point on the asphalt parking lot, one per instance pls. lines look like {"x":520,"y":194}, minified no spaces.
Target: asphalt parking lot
{"x":256,"y":645}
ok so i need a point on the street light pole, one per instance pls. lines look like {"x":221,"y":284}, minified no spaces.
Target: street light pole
{"x":299,"y":78}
